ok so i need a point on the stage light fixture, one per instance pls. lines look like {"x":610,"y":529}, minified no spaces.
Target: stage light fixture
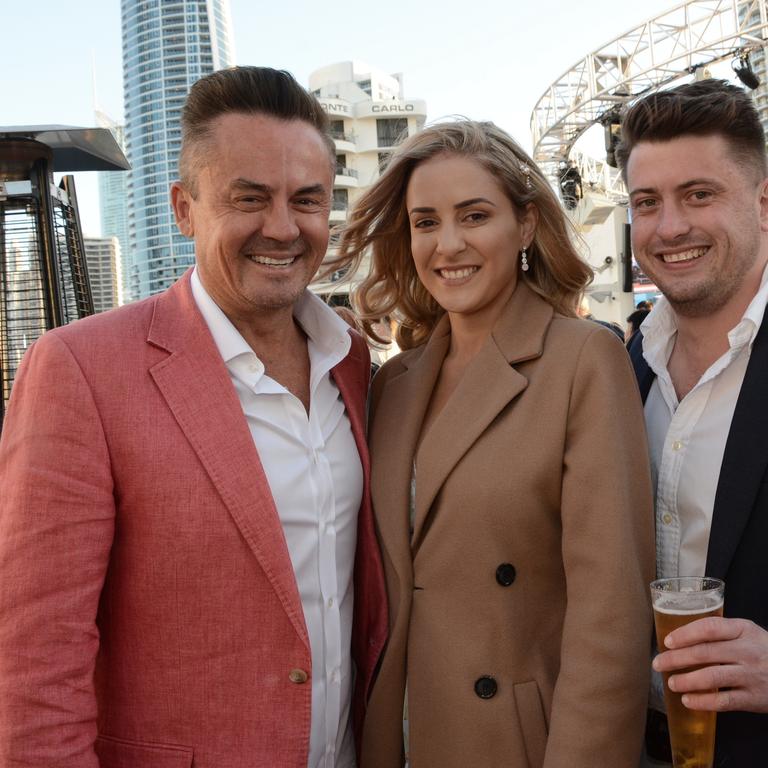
{"x":745,"y":73}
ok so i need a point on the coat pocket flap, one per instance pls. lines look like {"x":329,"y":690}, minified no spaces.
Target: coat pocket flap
{"x":121,"y":753}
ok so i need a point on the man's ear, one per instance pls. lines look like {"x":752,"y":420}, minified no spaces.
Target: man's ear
{"x":181,"y":201}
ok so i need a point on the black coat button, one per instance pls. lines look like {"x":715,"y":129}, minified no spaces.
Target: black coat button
{"x":485,"y":687}
{"x":505,"y":574}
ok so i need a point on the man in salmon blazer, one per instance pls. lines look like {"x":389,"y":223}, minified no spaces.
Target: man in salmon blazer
{"x":185,"y":484}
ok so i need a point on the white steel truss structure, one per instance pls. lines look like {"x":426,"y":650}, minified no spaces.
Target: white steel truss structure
{"x":659,"y":51}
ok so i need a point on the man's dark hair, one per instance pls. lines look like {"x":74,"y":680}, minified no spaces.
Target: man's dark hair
{"x":702,"y":108}
{"x":249,"y":91}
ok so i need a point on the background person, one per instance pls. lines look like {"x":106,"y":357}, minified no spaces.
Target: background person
{"x":585,"y":312}
{"x":634,"y":321}
{"x":695,"y":164}
{"x":509,"y":473}
{"x":181,"y":480}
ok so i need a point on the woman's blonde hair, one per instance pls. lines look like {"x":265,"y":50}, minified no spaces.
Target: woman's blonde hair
{"x":379,"y":226}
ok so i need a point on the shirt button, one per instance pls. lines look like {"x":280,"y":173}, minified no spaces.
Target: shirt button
{"x":298,"y":676}
{"x":677,"y":445}
{"x":330,"y":602}
{"x":667,"y":518}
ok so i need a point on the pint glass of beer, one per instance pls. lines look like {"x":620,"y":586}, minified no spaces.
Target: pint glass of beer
{"x":677,"y":602}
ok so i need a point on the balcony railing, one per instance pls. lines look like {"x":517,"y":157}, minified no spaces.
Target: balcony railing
{"x":343,"y":136}
{"x":342,"y":171}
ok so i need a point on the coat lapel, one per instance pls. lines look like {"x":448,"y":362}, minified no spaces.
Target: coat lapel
{"x":401,"y":410}
{"x":196,"y":386}
{"x":744,"y":462}
{"x":486,"y":388}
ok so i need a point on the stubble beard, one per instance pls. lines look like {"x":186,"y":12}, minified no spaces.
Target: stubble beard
{"x":715,"y":290}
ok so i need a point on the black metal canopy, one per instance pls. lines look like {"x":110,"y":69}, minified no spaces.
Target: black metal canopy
{"x":74,"y":148}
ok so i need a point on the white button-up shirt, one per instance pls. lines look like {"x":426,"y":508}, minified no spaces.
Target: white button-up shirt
{"x":687,"y":439}
{"x":315,"y":476}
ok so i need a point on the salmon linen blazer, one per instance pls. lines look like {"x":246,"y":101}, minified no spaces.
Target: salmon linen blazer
{"x":149,"y":613}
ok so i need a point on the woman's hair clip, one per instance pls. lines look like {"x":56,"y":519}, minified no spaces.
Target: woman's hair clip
{"x":525,"y":169}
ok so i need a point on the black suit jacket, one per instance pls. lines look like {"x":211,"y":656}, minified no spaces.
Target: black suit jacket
{"x":738,"y":539}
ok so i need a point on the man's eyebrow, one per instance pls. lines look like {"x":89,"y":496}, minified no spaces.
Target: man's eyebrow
{"x":248,"y":184}
{"x":698,"y":182}
{"x":680,"y":187}
{"x":642,"y":191}
{"x":458,"y":206}
{"x":312,"y":189}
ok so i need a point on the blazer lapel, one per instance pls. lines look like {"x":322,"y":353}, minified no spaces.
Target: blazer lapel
{"x":643,"y":372}
{"x":196,"y":386}
{"x":487,"y":386}
{"x":744,"y":462}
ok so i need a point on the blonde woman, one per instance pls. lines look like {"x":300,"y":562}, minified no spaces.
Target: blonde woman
{"x":510,"y":481}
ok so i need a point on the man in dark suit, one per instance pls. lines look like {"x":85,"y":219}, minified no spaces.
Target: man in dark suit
{"x":694,"y":160}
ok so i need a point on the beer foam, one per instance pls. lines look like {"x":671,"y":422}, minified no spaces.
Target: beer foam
{"x":695,"y":604}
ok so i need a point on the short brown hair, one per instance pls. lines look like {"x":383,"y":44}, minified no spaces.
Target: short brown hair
{"x":379,"y":225}
{"x":244,"y":90}
{"x":702,"y":108}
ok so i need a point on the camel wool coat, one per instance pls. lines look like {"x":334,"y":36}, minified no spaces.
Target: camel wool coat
{"x":519,"y":609}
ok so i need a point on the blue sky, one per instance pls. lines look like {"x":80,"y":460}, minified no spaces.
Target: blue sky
{"x":487,"y":59}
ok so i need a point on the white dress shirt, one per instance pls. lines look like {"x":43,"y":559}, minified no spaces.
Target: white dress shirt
{"x":687,"y":439}
{"x":314,"y":472}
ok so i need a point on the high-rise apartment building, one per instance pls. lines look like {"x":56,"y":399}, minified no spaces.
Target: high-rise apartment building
{"x":167,"y":46}
{"x":369,"y":116}
{"x":102,"y":254}
{"x":113,"y":204}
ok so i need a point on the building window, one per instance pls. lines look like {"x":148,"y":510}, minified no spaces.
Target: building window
{"x":365,"y":85}
{"x":337,"y":129}
{"x":340,"y":200}
{"x":391,"y":131}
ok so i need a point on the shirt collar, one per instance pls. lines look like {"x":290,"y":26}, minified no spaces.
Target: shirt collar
{"x":328,"y":334}
{"x":660,"y":326}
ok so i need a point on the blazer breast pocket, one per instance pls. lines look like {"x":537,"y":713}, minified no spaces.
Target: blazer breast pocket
{"x":123,"y":753}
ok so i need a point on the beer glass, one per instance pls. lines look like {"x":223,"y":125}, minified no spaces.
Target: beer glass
{"x":677,"y":602}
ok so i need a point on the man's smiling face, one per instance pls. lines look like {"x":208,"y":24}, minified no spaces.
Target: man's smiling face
{"x":698,"y":217}
{"x":260,"y":213}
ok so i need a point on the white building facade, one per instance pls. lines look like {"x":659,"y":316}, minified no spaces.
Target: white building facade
{"x":369,"y":116}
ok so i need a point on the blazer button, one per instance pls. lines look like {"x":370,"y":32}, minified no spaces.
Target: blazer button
{"x":485,"y":687}
{"x":298,"y":676}
{"x":505,"y":574}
